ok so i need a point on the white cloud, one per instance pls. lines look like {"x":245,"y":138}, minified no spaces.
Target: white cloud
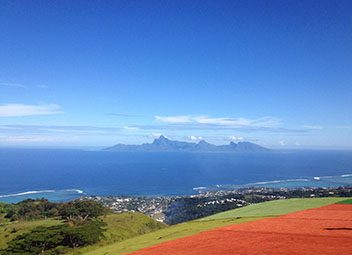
{"x":42,"y":86}
{"x":18,"y":110}
{"x":282,"y":142}
{"x":236,"y":138}
{"x":131,"y":128}
{"x":265,"y":122}
{"x":155,"y":135}
{"x":195,"y":138}
{"x":22,"y":139}
{"x":12,"y":85}
{"x":297,"y":143}
{"x":174,"y":119}
{"x":314,"y":127}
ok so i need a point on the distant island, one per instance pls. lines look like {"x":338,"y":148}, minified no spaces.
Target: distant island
{"x":162,"y":144}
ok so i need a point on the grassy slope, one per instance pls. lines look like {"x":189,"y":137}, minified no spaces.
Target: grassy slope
{"x":249,"y":213}
{"x":276,"y":207}
{"x":167,"y":234}
{"x":119,"y":227}
{"x":346,"y":201}
{"x":10,"y":230}
{"x":123,"y":226}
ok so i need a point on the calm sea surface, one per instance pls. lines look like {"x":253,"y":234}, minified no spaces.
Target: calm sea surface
{"x":66,"y":174}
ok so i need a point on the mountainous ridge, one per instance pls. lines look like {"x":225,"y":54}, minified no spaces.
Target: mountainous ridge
{"x":164,"y":144}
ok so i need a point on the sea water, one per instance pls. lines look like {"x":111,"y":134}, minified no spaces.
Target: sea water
{"x":61,"y":175}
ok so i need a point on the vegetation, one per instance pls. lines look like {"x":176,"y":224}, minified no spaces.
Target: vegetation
{"x":160,"y":236}
{"x":245,"y":214}
{"x":123,"y":226}
{"x":80,"y":227}
{"x":10,"y":230}
{"x":76,"y":224}
{"x":275,"y":207}
{"x":55,"y":239}
{"x":31,"y":209}
{"x":346,"y":201}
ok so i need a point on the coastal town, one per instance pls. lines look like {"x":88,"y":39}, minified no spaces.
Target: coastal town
{"x":177,"y":209}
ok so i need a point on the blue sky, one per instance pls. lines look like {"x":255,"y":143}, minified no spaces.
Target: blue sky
{"x":96,"y":73}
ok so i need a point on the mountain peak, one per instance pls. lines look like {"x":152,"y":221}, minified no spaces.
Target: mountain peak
{"x":164,"y":144}
{"x":160,"y":139}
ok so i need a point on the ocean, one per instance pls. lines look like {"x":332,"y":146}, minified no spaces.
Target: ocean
{"x":61,"y":175}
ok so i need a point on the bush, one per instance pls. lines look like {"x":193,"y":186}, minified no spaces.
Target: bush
{"x":31,"y":209}
{"x":55,"y":239}
{"x":82,"y":209}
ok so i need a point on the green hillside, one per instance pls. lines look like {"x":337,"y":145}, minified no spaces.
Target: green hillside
{"x":167,"y":234}
{"x":346,"y":201}
{"x":124,"y":226}
{"x":128,"y":232}
{"x":275,"y":207}
{"x":10,"y":230}
{"x":119,"y":227}
{"x":236,"y":216}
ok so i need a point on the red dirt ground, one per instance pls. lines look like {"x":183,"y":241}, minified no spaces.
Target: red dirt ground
{"x":324,"y":230}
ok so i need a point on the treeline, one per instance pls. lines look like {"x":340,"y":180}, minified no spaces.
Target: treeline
{"x":80,"y":226}
{"x":31,"y":209}
{"x":189,"y":208}
{"x":56,"y":239}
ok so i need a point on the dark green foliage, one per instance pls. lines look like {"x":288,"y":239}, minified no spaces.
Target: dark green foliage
{"x":38,"y":241}
{"x":55,"y":239}
{"x":85,"y":234}
{"x":31,"y":209}
{"x":190,"y":208}
{"x":347,"y":201}
{"x":81,"y":227}
{"x":82,"y":209}
{"x":5,"y":208}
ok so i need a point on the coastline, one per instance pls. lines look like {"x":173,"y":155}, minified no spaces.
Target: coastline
{"x":61,"y":195}
{"x":182,"y":208}
{"x":178,"y":209}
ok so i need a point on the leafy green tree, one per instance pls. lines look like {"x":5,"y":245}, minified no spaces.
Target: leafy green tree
{"x":39,"y":241}
{"x":32,"y":209}
{"x":86,"y":234}
{"x":83,"y":209}
{"x":55,"y":239}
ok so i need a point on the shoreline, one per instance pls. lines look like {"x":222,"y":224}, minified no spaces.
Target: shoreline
{"x":180,"y":208}
{"x":330,"y":181}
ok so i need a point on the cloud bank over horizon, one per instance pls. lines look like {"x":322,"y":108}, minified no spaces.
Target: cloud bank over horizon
{"x":218,"y":130}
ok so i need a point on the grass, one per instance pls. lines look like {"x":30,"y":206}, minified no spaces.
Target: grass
{"x":128,"y":232}
{"x":346,"y":201}
{"x":119,"y":227}
{"x":10,"y":230}
{"x":236,"y":216}
{"x":123,"y":226}
{"x":275,"y":208}
{"x":167,"y":234}
{"x":127,"y":225}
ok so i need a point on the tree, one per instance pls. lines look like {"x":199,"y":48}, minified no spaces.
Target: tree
{"x":86,"y":234}
{"x":82,"y":209}
{"x":55,"y":239}
{"x":38,"y":241}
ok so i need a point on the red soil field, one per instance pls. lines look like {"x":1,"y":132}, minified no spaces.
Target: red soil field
{"x":324,"y":230}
